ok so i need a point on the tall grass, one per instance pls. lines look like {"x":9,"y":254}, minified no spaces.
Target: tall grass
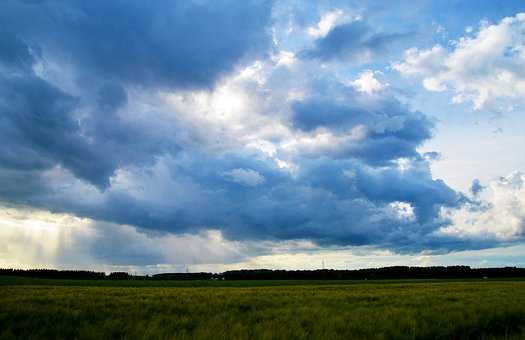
{"x":428,"y":310}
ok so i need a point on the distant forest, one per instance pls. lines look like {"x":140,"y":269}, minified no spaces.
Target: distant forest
{"x":398,"y":272}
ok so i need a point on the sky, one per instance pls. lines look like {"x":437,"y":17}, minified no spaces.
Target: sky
{"x":213,"y":135}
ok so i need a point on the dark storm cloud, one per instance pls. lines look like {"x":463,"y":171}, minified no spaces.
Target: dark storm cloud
{"x":39,"y":131}
{"x":331,"y":202}
{"x":59,"y":151}
{"x":352,"y":41}
{"x":159,"y":43}
{"x":111,"y":96}
{"x":111,"y":44}
{"x":36,"y":124}
{"x":15,"y":54}
{"x":388,"y":129}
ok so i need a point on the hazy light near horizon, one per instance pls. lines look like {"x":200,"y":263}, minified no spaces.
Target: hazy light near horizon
{"x":279,"y":134}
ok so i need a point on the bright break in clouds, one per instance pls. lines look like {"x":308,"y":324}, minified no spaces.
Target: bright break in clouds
{"x":215,"y":133}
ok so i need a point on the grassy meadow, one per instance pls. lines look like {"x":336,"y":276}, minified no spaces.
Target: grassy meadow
{"x":54,"y":309}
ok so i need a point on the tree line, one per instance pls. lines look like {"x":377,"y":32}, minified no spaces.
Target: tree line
{"x":397,"y":272}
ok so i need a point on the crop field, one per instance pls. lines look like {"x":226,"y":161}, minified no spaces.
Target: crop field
{"x":53,"y":309}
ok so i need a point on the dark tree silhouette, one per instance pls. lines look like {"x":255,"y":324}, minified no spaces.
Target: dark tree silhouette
{"x":398,"y":272}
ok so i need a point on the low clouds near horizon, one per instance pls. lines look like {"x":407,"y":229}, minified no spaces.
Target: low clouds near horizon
{"x":206,"y":121}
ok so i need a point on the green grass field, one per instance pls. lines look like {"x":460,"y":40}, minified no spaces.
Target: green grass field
{"x":53,"y":309}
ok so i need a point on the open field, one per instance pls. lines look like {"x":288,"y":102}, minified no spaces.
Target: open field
{"x":38,"y":309}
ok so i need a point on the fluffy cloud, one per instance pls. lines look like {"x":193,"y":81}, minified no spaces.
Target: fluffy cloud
{"x":368,"y":83}
{"x":501,"y":218}
{"x":345,"y":122}
{"x":73,"y":119}
{"x":481,"y":69}
{"x":160,"y":129}
{"x":328,"y":201}
{"x":233,"y":159}
{"x":325,"y":25}
{"x":41,"y":128}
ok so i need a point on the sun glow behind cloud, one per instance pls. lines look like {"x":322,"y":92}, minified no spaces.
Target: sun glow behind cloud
{"x":39,"y":239}
{"x":298,"y":132}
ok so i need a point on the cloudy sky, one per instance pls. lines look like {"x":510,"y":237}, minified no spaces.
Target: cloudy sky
{"x":213,"y":135}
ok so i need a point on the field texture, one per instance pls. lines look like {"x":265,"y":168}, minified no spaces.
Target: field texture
{"x":269,"y":310}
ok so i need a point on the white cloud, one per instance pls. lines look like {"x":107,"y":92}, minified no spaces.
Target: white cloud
{"x":421,"y":62}
{"x":401,"y":210}
{"x":327,"y":22}
{"x":503,"y":218}
{"x":247,"y":177}
{"x":284,"y":58}
{"x":324,"y":141}
{"x":480,"y":69}
{"x":368,"y":83}
{"x":367,"y":257}
{"x":234,"y":113}
{"x":434,"y":85}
